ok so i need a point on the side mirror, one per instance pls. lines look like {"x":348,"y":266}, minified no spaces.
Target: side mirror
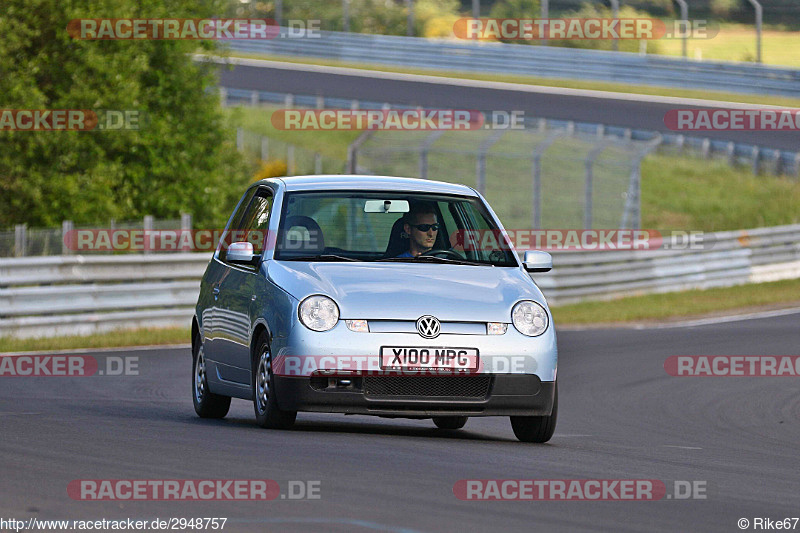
{"x":537,"y":261}
{"x":241,"y":253}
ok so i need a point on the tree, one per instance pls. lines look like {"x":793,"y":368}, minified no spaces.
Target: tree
{"x":181,"y":160}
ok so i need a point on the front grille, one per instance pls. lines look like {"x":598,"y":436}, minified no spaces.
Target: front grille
{"x":431,"y":386}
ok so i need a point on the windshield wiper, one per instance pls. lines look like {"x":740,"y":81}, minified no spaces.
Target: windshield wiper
{"x":433,"y":259}
{"x":320,"y":257}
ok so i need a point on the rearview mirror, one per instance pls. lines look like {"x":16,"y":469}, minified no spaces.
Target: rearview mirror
{"x":537,"y":261}
{"x":386,"y":206}
{"x":241,"y":253}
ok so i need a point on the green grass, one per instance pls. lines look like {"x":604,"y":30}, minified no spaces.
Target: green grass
{"x":737,"y":42}
{"x":117,"y":338}
{"x":547,"y":82}
{"x":710,"y":195}
{"x":683,"y":304}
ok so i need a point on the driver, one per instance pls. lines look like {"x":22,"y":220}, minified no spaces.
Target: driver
{"x":421,"y":227}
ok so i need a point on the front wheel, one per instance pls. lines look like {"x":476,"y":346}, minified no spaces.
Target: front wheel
{"x":268,"y":415}
{"x":206,"y":403}
{"x":536,"y":428}
{"x":449,"y":422}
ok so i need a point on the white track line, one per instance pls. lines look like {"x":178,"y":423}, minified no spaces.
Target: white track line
{"x":687,"y":323}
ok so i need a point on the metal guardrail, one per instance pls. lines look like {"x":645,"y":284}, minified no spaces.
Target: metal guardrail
{"x":84,"y":294}
{"x":51,"y":296}
{"x":540,"y":61}
{"x":726,"y":259}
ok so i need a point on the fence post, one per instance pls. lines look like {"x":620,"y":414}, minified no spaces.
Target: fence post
{"x":320,"y":102}
{"x":67,"y":237}
{"x":615,"y":14}
{"x":705,"y":148}
{"x":759,"y":15}
{"x":352,"y":151}
{"x":685,"y":19}
{"x":632,"y":214}
{"x":755,"y":154}
{"x":538,"y":150}
{"x":20,"y":240}
{"x":239,"y":140}
{"x":588,"y":194}
{"x":264,"y":148}
{"x":186,"y":226}
{"x":290,"y":168}
{"x":545,"y":14}
{"x":424,"y":147}
{"x":317,"y":163}
{"x":223,"y":96}
{"x":288,"y":100}
{"x":254,"y":98}
{"x":480,"y":181}
{"x":148,"y":229}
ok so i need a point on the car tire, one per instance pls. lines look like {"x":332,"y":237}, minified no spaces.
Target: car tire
{"x":536,"y":428}
{"x":450,"y":422}
{"x":265,"y":403}
{"x":206,"y":404}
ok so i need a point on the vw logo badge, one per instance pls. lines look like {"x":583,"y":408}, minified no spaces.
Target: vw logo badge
{"x":428,"y":326}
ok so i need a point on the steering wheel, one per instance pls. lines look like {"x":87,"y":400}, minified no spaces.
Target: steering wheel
{"x":450,"y":253}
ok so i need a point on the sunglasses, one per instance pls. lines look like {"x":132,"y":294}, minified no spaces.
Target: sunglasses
{"x":426,"y":227}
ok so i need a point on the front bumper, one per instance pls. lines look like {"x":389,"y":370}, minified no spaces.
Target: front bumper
{"x":496,"y":395}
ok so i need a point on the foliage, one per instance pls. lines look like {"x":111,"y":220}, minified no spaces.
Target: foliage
{"x":271,"y":169}
{"x":432,"y":18}
{"x":181,"y":160}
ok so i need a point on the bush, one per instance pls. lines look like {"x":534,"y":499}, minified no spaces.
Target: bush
{"x":271,"y":169}
{"x":181,"y":160}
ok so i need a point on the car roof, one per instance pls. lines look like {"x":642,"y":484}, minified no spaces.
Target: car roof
{"x":368,"y":182}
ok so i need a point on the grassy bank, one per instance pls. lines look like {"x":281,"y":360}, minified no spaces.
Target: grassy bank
{"x":135,"y":337}
{"x":685,"y":304}
{"x":737,"y":42}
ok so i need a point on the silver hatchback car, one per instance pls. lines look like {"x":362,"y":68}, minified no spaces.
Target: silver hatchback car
{"x":386,"y":296}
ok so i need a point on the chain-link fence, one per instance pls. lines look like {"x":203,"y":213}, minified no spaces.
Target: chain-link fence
{"x":298,"y":161}
{"x":23,"y":241}
{"x":549,"y":175}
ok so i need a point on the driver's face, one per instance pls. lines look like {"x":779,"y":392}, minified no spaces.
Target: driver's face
{"x":422,"y":241}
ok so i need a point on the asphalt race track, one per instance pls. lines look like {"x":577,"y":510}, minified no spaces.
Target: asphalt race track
{"x":621,"y":417}
{"x":610,"y":110}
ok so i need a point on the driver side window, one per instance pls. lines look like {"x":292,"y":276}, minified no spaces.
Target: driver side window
{"x":251,"y":222}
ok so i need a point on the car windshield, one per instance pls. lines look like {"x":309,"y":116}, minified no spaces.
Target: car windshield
{"x":386,"y":226}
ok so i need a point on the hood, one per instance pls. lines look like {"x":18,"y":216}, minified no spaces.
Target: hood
{"x":405,"y":291}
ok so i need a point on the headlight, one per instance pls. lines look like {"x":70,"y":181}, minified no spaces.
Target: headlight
{"x":319,"y":313}
{"x":529,"y":318}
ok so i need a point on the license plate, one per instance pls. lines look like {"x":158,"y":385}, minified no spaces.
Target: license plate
{"x":421,"y":358}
